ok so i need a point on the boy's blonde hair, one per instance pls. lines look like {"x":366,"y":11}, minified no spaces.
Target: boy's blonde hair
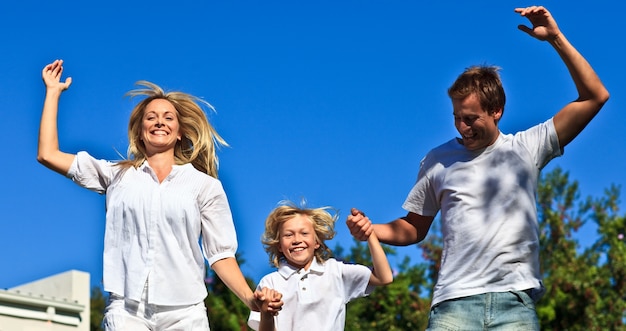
{"x":323,"y":224}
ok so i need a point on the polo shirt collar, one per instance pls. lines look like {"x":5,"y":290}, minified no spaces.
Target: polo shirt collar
{"x":287,"y":270}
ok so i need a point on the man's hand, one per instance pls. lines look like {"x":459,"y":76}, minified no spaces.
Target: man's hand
{"x":360,"y":226}
{"x":544,"y":26}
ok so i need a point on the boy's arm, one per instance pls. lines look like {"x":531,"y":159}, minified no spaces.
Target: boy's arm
{"x":381,"y":275}
{"x":361,"y":228}
{"x":267,"y":322}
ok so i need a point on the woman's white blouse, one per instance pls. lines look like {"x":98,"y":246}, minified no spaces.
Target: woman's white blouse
{"x":158,"y":232}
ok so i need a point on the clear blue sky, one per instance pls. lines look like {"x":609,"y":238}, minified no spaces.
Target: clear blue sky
{"x":332,"y":101}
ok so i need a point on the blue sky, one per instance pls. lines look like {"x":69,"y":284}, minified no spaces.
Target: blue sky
{"x":332,"y":101}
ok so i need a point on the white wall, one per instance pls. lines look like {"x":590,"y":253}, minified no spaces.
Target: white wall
{"x":56,"y":303}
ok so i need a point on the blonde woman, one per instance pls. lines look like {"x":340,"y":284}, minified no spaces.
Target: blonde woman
{"x":160,"y":203}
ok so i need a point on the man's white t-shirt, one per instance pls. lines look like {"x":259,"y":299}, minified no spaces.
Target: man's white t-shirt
{"x":487,"y":200}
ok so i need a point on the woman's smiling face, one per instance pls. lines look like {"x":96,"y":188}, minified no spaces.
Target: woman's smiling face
{"x":160,"y":126}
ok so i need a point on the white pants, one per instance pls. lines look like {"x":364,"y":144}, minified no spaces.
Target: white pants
{"x":124,"y":314}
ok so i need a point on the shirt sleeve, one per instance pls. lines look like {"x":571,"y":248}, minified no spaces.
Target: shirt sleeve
{"x":219,"y":239}
{"x":356,"y":278}
{"x":90,"y":173}
{"x":541,"y":142}
{"x":422,"y":198}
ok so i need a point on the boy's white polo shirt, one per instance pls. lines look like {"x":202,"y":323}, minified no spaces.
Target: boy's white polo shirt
{"x":315,"y":298}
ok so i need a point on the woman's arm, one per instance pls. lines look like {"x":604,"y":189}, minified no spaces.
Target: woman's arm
{"x":229,"y":272}
{"x":48,"y":152}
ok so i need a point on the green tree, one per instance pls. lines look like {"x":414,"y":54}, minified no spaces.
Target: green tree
{"x":226,"y":312}
{"x":432,"y":248}
{"x":584,"y":291}
{"x":97,"y":303}
{"x":397,"y":306}
{"x":609,"y":252}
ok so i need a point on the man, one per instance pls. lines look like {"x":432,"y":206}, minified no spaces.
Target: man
{"x":484,"y":183}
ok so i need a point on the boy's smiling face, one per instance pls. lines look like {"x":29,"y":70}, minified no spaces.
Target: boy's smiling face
{"x":298,"y":241}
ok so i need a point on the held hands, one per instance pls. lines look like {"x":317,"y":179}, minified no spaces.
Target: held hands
{"x":268,"y":301}
{"x":51,"y":75}
{"x":360,"y":226}
{"x":544,"y":25}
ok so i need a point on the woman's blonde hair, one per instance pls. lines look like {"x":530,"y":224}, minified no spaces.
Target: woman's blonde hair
{"x":323,"y":224}
{"x":199,"y":138}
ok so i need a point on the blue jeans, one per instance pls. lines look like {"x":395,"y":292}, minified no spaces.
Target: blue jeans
{"x":509,"y":311}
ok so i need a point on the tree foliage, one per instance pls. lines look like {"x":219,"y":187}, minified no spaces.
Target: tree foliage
{"x":585,"y":286}
{"x":395,"y":307}
{"x":226,"y":312}
{"x":97,"y":303}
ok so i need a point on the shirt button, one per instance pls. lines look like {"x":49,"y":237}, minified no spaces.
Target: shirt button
{"x":304,"y":288}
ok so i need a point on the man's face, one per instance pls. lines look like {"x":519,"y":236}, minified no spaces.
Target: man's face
{"x":477,"y":127}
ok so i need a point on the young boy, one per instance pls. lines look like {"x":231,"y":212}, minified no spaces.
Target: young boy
{"x":315,"y":287}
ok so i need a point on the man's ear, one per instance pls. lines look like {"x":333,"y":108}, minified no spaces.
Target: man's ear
{"x":497,"y":114}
